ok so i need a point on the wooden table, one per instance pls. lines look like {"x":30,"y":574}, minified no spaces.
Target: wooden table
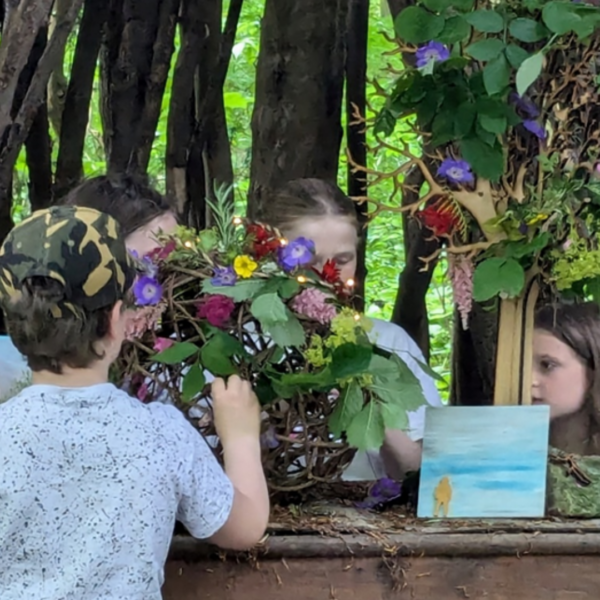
{"x":339,"y":553}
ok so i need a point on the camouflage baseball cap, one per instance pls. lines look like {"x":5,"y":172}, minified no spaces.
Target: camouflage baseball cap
{"x":78,"y":247}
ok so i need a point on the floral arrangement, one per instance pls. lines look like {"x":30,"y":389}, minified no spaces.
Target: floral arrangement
{"x":504,"y":96}
{"x":238,"y":298}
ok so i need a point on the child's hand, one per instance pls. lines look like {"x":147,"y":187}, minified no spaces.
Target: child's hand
{"x":236,"y":410}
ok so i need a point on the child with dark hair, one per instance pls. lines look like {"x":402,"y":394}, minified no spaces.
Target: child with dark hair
{"x":566,"y":374}
{"x":92,"y":479}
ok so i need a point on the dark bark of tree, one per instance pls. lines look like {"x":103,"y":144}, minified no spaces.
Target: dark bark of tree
{"x":21,"y":27}
{"x":356,"y":76}
{"x":135,"y":59}
{"x":198,"y":151}
{"x":69,"y":166}
{"x":296,"y":127}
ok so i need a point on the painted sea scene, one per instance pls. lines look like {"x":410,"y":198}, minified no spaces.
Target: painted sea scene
{"x":484,"y":461}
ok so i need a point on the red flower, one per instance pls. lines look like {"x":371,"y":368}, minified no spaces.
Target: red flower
{"x":162,"y":252}
{"x":330,"y":272}
{"x":439,"y":219}
{"x":264,"y":242}
{"x":216,"y":309}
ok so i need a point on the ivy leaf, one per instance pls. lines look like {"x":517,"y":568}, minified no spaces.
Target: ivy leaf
{"x":415,"y":25}
{"x":240,"y":292}
{"x":348,"y":405}
{"x":498,"y":276}
{"x":496,"y":125}
{"x":487,"y":161}
{"x":485,"y":50}
{"x":528,"y":72}
{"x":456,"y":29}
{"x":527,"y":30}
{"x":496,"y":75}
{"x":286,"y":333}
{"x":177,"y":353}
{"x":269,"y":307}
{"x":560,"y":17}
{"x":193,"y":383}
{"x":367,"y":430}
{"x":516,"y":55}
{"x":486,"y":21}
{"x":350,"y":359}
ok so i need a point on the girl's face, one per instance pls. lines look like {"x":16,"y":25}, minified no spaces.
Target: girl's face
{"x":143,"y":240}
{"x":560,"y":377}
{"x":335,"y":238}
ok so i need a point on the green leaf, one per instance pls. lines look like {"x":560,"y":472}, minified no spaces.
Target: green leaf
{"x":436,"y":5}
{"x":263,"y":389}
{"x":533,"y":246}
{"x":442,"y":128}
{"x":429,"y":371}
{"x":498,"y":277}
{"x":486,"y":49}
{"x":285,"y":333}
{"x":527,"y":30}
{"x":593,"y":289}
{"x":241,"y":291}
{"x":487,"y":161}
{"x":456,"y":29}
{"x":383,"y":367}
{"x":516,"y":55}
{"x":288,"y":288}
{"x":193,"y":383}
{"x":417,"y":26}
{"x":349,"y":360}
{"x":496,"y":75}
{"x":561,"y":17}
{"x":462,"y":5}
{"x":367,"y":431}
{"x":207,"y":240}
{"x":486,"y":21}
{"x":269,"y":307}
{"x":227,"y":344}
{"x":347,"y":406}
{"x":385,"y":122}
{"x":215,"y":361}
{"x":528,"y":72}
{"x":496,"y":125}
{"x":177,"y":353}
{"x":394,"y":416}
{"x":463,"y":119}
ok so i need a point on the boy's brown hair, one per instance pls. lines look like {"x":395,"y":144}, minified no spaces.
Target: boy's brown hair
{"x":61,"y":273}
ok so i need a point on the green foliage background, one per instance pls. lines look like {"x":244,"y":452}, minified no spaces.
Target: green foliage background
{"x":385,"y":253}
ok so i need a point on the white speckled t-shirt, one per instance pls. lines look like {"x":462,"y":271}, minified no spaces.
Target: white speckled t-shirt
{"x":91,"y":484}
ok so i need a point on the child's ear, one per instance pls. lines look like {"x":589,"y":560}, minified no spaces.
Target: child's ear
{"x":116,"y":320}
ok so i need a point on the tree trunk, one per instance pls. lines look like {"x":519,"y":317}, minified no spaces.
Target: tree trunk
{"x":296,"y":124}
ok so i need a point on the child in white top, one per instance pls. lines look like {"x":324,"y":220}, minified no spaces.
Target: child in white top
{"x":93,"y":480}
{"x":320,"y":211}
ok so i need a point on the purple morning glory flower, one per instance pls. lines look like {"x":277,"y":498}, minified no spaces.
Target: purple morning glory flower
{"x":525,"y":106}
{"x":147,"y":291}
{"x":297,"y":253}
{"x":456,"y":171}
{"x":145,"y":265}
{"x":536,"y":128}
{"x":268,"y":439}
{"x":383,"y":490}
{"x":224,"y":276}
{"x":431,"y":52}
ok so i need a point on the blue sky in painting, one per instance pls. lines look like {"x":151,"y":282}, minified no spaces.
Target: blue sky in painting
{"x":495,"y":458}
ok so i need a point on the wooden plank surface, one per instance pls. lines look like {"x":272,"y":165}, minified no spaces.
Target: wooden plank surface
{"x":427,"y":578}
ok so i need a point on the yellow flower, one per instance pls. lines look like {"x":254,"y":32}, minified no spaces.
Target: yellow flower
{"x":244,"y":266}
{"x":539,"y":218}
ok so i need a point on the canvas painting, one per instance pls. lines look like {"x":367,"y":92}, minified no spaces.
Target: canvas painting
{"x":484,"y":461}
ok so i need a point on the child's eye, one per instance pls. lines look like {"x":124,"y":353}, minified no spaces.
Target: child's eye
{"x":547,"y":365}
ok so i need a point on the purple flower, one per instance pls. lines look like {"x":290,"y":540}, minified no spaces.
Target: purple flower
{"x":456,"y":171}
{"x":269,"y":439}
{"x":431,"y":52}
{"x":147,"y":291}
{"x":145,"y":264}
{"x":525,"y":106}
{"x":382,"y":491}
{"x":224,"y":276}
{"x":536,"y":128}
{"x":297,"y":253}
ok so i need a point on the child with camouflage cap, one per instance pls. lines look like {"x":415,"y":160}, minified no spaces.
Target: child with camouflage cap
{"x":93,"y":480}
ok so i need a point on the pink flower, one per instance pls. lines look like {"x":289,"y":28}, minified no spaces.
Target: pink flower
{"x":142,"y":392}
{"x":216,"y":309}
{"x":312,"y":303}
{"x":141,"y":320}
{"x":162,"y":344}
{"x":460,"y":271}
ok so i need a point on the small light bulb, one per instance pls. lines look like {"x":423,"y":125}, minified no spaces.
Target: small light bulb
{"x":188,"y":244}
{"x":356,"y":317}
{"x":237,"y":220}
{"x":350,"y":283}
{"x":301,"y":279}
{"x":283,"y":242}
